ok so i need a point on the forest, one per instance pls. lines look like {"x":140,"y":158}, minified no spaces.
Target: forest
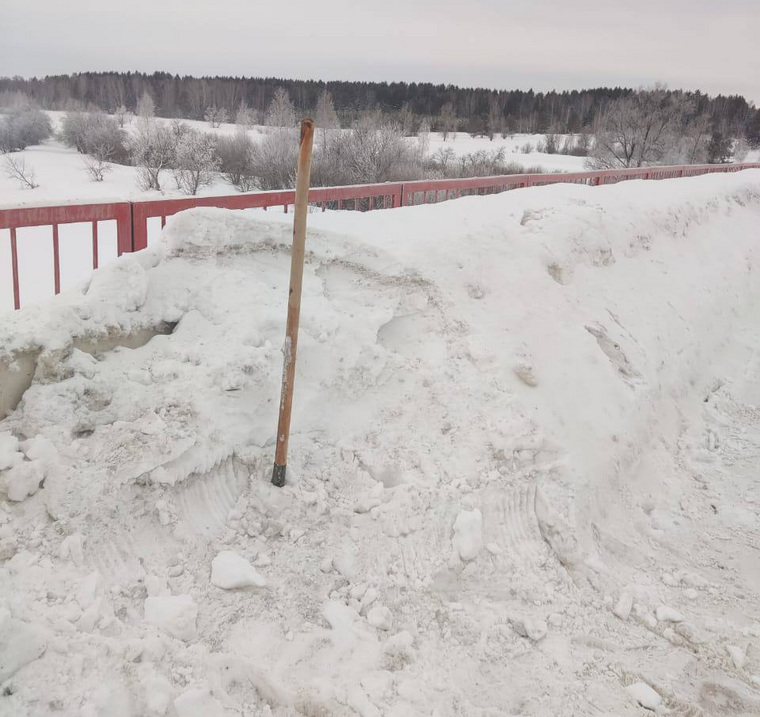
{"x":474,"y":110}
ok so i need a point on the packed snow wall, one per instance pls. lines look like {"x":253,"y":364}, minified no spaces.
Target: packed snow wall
{"x":499,"y":417}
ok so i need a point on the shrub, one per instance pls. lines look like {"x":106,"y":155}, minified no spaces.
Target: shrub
{"x":22,"y":127}
{"x":95,"y":133}
{"x":195,"y":161}
{"x":236,"y":160}
{"x":274,"y":160}
{"x":17,"y":168}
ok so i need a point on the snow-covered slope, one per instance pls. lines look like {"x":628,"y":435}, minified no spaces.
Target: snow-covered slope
{"x":522,"y":476}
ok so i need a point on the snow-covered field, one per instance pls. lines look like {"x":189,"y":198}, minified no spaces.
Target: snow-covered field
{"x":62,"y":177}
{"x":523,"y":474}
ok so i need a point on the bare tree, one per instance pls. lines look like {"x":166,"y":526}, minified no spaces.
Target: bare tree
{"x":423,"y":138}
{"x":550,"y":143}
{"x":493,"y":121}
{"x":638,"y":129}
{"x":406,"y":119}
{"x":16,"y":168}
{"x":215,"y":116}
{"x":719,"y":148}
{"x":326,"y":118}
{"x":696,"y":140}
{"x":122,"y":115}
{"x":97,"y":167}
{"x":195,"y":161}
{"x":146,"y":108}
{"x":447,"y":121}
{"x":281,"y":112}
{"x":152,"y":149}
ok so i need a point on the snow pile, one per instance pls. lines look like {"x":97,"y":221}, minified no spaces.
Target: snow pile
{"x":522,"y":476}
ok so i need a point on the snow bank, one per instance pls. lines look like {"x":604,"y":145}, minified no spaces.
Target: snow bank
{"x":497,"y":428}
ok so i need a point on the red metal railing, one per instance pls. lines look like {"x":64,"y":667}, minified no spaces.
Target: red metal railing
{"x":132,"y":217}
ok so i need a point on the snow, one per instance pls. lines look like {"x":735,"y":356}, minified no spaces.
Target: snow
{"x":174,"y":614}
{"x":198,"y":703}
{"x":645,"y":696}
{"x":63,"y":179}
{"x":468,"y":535}
{"x":230,"y":570}
{"x":585,"y":507}
{"x":462,"y":143}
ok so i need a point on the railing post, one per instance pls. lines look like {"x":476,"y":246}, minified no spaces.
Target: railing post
{"x":95,"y":244}
{"x":125,"y":229}
{"x":14,"y":271}
{"x":56,"y":261}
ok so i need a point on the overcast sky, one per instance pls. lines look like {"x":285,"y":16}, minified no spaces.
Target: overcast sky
{"x":710,"y":45}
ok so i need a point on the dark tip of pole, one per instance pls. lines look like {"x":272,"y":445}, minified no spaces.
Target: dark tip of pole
{"x":278,"y":475}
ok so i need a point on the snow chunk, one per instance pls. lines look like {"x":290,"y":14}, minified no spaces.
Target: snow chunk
{"x":623,"y":606}
{"x":645,"y":696}
{"x":380,"y":617}
{"x":156,"y":690}
{"x":738,"y":656}
{"x":468,"y":534}
{"x":230,"y":570}
{"x":20,"y":644}
{"x":22,"y":480}
{"x":71,"y":548}
{"x":668,"y":614}
{"x":533,"y":628}
{"x":198,"y":703}
{"x":175,"y":615}
{"x":9,"y":452}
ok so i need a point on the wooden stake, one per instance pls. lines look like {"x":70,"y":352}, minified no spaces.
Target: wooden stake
{"x":294,"y":300}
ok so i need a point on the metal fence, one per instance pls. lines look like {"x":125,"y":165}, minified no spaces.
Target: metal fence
{"x":132,"y":217}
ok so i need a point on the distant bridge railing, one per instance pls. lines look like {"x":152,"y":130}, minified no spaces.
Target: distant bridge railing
{"x":132,"y":219}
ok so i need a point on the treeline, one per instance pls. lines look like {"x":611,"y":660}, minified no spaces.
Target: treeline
{"x":476,"y":110}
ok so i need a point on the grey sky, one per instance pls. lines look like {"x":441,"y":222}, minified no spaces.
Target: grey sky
{"x":712,"y":45}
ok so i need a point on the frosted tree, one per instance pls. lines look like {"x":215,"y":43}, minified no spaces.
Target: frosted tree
{"x":326,"y":117}
{"x":281,"y":112}
{"x":245,"y":117}
{"x":215,"y":116}
{"x":423,"y":138}
{"x":639,"y":129}
{"x":121,"y":115}
{"x":152,"y":150}
{"x":195,"y":161}
{"x":406,"y":119}
{"x":447,"y":121}
{"x":146,"y":108}
{"x":23,"y":126}
{"x":493,"y":121}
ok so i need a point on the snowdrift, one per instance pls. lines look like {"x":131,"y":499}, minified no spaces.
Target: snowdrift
{"x":521,"y":475}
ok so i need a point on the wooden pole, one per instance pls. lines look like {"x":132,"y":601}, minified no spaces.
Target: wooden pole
{"x":294,"y":301}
